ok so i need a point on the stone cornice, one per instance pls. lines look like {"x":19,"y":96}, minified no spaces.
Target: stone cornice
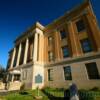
{"x":69,"y":15}
{"x":63,"y":62}
{"x":74,"y":60}
{"x":30,"y":30}
{"x":22,"y":66}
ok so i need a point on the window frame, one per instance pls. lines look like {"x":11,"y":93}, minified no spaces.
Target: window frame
{"x":87,"y":45}
{"x":50,"y":77}
{"x":50,"y":41}
{"x":63,"y":34}
{"x":68,"y":52}
{"x":90,"y":77}
{"x":68,"y":73}
{"x":78,"y":27}
{"x":50,"y":58}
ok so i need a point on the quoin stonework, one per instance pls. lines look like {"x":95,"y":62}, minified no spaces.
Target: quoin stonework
{"x":63,"y":52}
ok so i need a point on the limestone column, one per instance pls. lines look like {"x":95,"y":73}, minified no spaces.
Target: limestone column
{"x":12,"y":78}
{"x":45,"y":52}
{"x":26,"y":51}
{"x":94,"y":29}
{"x":75,"y":46}
{"x":13,"y":56}
{"x":41,"y":48}
{"x":57,"y":46}
{"x":35,"y":53}
{"x":21,"y":75}
{"x":19,"y":53}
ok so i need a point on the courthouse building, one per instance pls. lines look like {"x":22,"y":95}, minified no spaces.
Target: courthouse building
{"x":65,"y":51}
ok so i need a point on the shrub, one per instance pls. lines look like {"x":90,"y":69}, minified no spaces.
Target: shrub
{"x":22,"y":89}
{"x":59,"y":89}
{"x":95,"y":89}
{"x":85,"y":95}
{"x":67,"y":94}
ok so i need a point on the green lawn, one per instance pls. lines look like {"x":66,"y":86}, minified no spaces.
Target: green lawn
{"x":28,"y":95}
{"x":48,"y":94}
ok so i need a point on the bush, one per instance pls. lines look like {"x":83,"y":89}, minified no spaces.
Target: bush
{"x":95,"y":89}
{"x":59,"y":89}
{"x":67,"y":94}
{"x":85,"y":95}
{"x":22,"y":89}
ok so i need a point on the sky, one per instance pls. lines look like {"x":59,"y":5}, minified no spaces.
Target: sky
{"x":16,"y":16}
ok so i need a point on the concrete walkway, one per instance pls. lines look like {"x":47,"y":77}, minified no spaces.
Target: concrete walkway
{"x":5,"y":92}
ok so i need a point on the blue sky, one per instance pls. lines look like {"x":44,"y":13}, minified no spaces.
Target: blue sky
{"x":17,"y":15}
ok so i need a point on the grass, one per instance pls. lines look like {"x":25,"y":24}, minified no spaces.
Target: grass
{"x":27,"y":95}
{"x":18,"y":96}
{"x":55,"y":92}
{"x":47,"y":94}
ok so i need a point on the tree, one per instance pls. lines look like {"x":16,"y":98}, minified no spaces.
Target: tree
{"x":2,"y":73}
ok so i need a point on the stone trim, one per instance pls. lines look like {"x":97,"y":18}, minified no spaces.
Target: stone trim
{"x":73,"y":60}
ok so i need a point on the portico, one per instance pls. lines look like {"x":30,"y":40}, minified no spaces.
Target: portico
{"x":26,"y":53}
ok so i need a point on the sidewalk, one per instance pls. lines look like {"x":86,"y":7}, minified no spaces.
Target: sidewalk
{"x":5,"y":92}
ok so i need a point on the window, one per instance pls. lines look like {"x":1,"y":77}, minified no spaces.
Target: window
{"x":67,"y":73}
{"x":50,"y":56}
{"x":80,"y":25}
{"x":92,"y":71}
{"x":65,"y":51}
{"x":86,"y":45}
{"x":63,"y":34}
{"x":50,"y":40}
{"x":16,"y":77}
{"x":50,"y":73}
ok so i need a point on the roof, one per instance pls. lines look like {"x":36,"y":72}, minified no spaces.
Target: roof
{"x":69,"y":13}
{"x":36,"y":25}
{"x":41,"y":27}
